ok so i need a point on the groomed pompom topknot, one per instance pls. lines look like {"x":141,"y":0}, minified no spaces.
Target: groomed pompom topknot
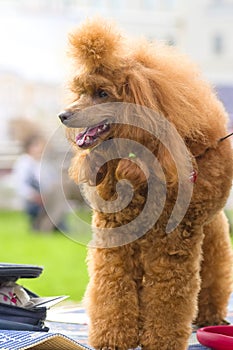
{"x":95,"y":43}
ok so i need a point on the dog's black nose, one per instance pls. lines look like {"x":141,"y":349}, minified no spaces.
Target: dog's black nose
{"x":65,"y":116}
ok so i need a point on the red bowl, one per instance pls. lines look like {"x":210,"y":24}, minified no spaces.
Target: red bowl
{"x":216,"y":337}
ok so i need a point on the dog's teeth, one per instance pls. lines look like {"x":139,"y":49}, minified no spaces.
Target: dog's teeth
{"x":100,"y":129}
{"x":105,"y":126}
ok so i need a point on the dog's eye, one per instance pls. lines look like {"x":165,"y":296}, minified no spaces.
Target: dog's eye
{"x":102,"y":94}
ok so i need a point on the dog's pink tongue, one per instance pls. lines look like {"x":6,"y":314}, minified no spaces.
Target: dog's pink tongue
{"x":92,"y":131}
{"x":81,"y":138}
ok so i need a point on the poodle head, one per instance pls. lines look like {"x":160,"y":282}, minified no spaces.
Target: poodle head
{"x":109,"y":68}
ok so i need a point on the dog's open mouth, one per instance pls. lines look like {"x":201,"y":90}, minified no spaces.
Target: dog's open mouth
{"x":90,"y":135}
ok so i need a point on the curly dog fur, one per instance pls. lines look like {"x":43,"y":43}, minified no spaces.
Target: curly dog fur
{"x":150,"y":290}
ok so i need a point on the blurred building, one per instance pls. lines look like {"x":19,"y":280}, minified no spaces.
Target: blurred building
{"x":33,"y":37}
{"x":202,"y":28}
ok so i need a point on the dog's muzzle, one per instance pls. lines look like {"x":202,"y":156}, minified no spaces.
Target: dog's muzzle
{"x":89,"y":116}
{"x":65,"y":116}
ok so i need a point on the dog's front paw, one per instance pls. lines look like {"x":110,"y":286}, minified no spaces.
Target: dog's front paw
{"x":123,"y":342}
{"x":114,"y":347}
{"x":109,"y":348}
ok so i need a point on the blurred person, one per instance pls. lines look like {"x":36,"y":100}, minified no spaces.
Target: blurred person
{"x":30,"y":187}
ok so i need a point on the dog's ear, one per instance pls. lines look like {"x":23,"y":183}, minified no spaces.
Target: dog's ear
{"x":77,"y":168}
{"x":87,"y":167}
{"x":95,"y":44}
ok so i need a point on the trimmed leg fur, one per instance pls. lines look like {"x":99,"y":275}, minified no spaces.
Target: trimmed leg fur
{"x":112,"y":299}
{"x":168,"y":299}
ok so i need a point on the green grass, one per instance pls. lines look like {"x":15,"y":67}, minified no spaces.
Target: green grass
{"x":62,"y":258}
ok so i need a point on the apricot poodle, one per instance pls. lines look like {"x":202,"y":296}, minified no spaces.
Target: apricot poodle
{"x":148,"y":283}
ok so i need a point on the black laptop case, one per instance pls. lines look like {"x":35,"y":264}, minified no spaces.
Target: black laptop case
{"x":16,"y":317}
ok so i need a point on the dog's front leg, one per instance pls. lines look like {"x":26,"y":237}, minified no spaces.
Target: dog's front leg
{"x":168,"y":299}
{"x":112,"y":299}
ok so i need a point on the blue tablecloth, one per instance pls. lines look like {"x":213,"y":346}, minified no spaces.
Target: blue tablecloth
{"x":69,"y":331}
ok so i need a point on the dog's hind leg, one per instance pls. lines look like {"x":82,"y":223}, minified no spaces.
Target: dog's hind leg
{"x":216,"y":273}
